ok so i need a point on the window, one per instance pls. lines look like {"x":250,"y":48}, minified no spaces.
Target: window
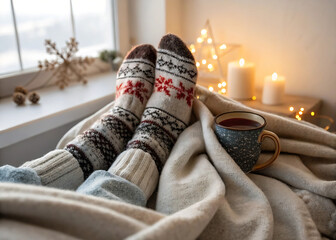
{"x":24,"y":25}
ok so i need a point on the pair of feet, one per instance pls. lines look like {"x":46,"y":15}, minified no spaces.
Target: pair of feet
{"x":154,"y":96}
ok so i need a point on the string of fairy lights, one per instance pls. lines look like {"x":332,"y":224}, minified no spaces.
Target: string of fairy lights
{"x":208,"y":53}
{"x":299,"y":114}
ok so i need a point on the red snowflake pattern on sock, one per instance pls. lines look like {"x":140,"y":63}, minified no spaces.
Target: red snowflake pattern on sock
{"x":164,"y":85}
{"x":119,"y":89}
{"x":137,"y":89}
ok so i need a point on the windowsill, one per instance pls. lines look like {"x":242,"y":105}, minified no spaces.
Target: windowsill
{"x":56,"y":108}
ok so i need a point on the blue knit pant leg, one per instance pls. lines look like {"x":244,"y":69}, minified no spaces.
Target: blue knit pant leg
{"x":19,"y":175}
{"x":107,"y":185}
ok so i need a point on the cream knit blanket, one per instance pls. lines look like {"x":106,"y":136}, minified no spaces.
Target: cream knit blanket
{"x":202,"y":193}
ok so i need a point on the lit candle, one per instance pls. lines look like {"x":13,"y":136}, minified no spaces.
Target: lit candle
{"x":274,"y":90}
{"x":241,"y":80}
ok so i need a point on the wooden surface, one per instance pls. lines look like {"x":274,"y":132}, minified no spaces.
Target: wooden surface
{"x":308,"y":103}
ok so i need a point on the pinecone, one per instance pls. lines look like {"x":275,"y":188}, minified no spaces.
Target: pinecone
{"x":21,"y":89}
{"x":19,"y":98}
{"x":33,"y":97}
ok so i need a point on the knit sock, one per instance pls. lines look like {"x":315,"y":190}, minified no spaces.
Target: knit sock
{"x":97,"y":147}
{"x":166,"y":115}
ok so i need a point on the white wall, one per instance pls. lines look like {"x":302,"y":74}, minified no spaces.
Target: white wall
{"x":149,"y":20}
{"x":146,"y":21}
{"x":296,"y":38}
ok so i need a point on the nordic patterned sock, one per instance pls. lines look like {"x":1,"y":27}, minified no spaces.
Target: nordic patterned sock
{"x":166,"y":115}
{"x":97,"y":147}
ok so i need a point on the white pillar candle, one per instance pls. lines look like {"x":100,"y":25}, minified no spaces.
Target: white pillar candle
{"x":240,"y":80}
{"x":274,"y":90}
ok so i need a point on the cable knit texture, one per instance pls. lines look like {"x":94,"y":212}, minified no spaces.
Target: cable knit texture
{"x":137,"y":167}
{"x":57,"y":169}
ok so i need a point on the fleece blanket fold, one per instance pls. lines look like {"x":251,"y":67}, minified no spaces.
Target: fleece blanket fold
{"x":202,"y":193}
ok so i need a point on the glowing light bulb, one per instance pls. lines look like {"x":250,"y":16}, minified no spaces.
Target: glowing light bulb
{"x":214,"y":56}
{"x":242,"y":62}
{"x":192,"y":46}
{"x":222,"y":47}
{"x":291,"y":109}
{"x":254,"y":98}
{"x":312,"y":114}
{"x":199,"y":40}
{"x":203,"y":32}
{"x":219,"y":85}
{"x":193,"y":50}
{"x":223,"y":84}
{"x":210,"y":67}
{"x":209,"y":40}
{"x":302,"y":109}
{"x":223,"y":90}
{"x":211,"y":89}
{"x":300,"y":113}
{"x":197,"y":64}
{"x":197,"y":97}
{"x":203,"y":61}
{"x":297,"y":116}
{"x":274,"y":76}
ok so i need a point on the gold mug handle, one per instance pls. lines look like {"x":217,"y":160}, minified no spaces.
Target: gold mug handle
{"x":275,"y":138}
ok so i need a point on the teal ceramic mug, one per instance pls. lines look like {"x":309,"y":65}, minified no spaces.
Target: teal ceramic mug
{"x":241,"y":134}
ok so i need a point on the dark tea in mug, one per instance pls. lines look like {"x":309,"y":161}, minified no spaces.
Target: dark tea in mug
{"x":240,"y":123}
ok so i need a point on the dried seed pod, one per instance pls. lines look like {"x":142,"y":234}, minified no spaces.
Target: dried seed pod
{"x":21,"y":89}
{"x":19,"y":98}
{"x":34,"y":97}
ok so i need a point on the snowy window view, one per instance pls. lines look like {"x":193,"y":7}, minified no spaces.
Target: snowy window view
{"x":36,"y":20}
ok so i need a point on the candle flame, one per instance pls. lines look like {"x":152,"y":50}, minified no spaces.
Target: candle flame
{"x":223,"y":84}
{"x":222,"y":47}
{"x":291,"y":109}
{"x":254,"y":98}
{"x":242,"y":62}
{"x":199,"y":40}
{"x":223,"y":90}
{"x":209,"y":40}
{"x":203,"y":32}
{"x":214,"y":56}
{"x":312,"y":114}
{"x":219,"y":85}
{"x":197,"y":64}
{"x":274,"y":76}
{"x":203,"y":61}
{"x":211,"y":89}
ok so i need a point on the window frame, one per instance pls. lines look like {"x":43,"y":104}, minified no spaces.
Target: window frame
{"x":9,"y":80}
